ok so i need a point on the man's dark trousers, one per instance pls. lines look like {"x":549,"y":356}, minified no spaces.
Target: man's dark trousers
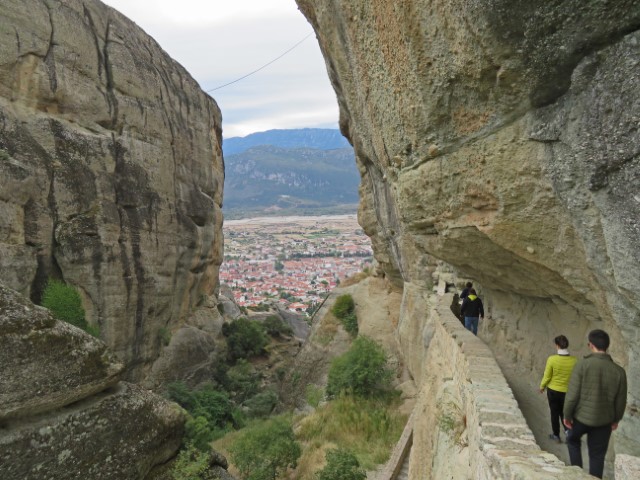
{"x":597,"y":443}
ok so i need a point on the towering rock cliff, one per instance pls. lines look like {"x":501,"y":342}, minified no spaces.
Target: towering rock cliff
{"x":502,"y":138}
{"x":111,"y":171}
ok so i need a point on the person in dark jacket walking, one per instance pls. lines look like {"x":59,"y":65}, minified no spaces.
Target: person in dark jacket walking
{"x":472,"y":310}
{"x":465,"y":291}
{"x":455,"y":308}
{"x":595,"y":403}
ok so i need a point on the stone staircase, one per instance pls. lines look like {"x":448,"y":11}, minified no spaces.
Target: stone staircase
{"x":403,"y":474}
{"x":397,"y":467}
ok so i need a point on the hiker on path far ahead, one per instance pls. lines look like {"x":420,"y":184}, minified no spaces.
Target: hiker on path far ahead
{"x":465,"y":291}
{"x":472,"y":310}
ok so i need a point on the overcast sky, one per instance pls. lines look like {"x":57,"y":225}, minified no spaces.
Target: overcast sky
{"x":218,"y":41}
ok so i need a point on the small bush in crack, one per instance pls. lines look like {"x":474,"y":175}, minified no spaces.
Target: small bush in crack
{"x":245,"y":338}
{"x":65,"y":304}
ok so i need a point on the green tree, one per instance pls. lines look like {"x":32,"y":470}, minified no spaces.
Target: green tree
{"x":198,"y":433}
{"x":182,"y":395}
{"x":276,"y":327}
{"x":266,"y":450}
{"x":191,"y":464}
{"x":343,"y":306}
{"x":362,"y":370}
{"x":345,"y":310}
{"x":262,"y":404}
{"x":214,"y":405}
{"x":211,"y":412}
{"x":65,"y":304}
{"x":242,"y":380}
{"x":245,"y":338}
{"x":341,"y":465}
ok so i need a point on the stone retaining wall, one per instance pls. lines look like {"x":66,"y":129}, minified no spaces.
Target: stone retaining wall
{"x":467,"y":423}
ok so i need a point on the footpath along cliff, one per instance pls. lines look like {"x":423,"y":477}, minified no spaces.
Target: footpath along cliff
{"x":499,"y":138}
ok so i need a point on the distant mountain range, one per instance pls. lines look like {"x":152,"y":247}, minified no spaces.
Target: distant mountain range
{"x":321,"y":138}
{"x":275,"y":179}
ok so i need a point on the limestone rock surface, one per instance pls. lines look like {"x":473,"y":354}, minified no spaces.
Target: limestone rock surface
{"x":189,"y":356}
{"x":111,"y":171}
{"x":500,"y":137}
{"x":63,"y":413}
{"x":117,"y":434}
{"x":34,"y":360}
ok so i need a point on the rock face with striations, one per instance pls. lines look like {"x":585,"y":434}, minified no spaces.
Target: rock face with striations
{"x":63,"y":411}
{"x":111,"y":171}
{"x":502,"y":138}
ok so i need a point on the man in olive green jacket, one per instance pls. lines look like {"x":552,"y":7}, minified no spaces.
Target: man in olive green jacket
{"x":595,"y":403}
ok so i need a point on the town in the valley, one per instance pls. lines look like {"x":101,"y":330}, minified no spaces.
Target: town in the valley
{"x":294,"y":261}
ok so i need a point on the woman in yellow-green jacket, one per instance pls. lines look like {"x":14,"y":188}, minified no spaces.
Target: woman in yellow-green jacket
{"x":556,"y":381}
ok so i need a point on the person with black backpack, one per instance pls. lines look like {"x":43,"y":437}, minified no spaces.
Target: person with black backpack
{"x":472,"y":310}
{"x":465,"y":292}
{"x":455,"y":308}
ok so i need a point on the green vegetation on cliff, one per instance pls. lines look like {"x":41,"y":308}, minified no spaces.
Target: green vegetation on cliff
{"x":266,"y":449}
{"x":65,"y":304}
{"x":245,"y":338}
{"x":342,"y":465}
{"x":368,"y":428}
{"x":345,"y":310}
{"x":357,"y":412}
{"x":362,"y":371}
{"x":211,"y":413}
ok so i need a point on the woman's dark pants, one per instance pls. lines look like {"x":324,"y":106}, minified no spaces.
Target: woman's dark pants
{"x":556,"y":404}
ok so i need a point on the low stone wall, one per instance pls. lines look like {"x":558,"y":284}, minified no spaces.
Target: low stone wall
{"x":627,"y":467}
{"x":467,"y":423}
{"x":400,"y":453}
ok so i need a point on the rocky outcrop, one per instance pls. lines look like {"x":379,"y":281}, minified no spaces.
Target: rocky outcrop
{"x":502,"y":139}
{"x":36,"y":372}
{"x":111,"y":172}
{"x":63,"y":411}
{"x":189,"y":357}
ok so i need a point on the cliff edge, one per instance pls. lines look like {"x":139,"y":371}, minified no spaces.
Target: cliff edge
{"x":111,"y":172}
{"x":502,"y":139}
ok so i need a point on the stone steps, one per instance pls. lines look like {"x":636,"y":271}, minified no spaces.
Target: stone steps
{"x":403,"y":474}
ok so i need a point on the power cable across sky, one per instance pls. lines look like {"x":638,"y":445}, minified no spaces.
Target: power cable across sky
{"x":262,"y":67}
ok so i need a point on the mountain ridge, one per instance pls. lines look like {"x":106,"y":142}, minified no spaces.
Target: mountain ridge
{"x":268,"y":179}
{"x":320,"y":138}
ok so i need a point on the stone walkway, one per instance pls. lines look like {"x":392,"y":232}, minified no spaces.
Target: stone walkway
{"x":535,"y":409}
